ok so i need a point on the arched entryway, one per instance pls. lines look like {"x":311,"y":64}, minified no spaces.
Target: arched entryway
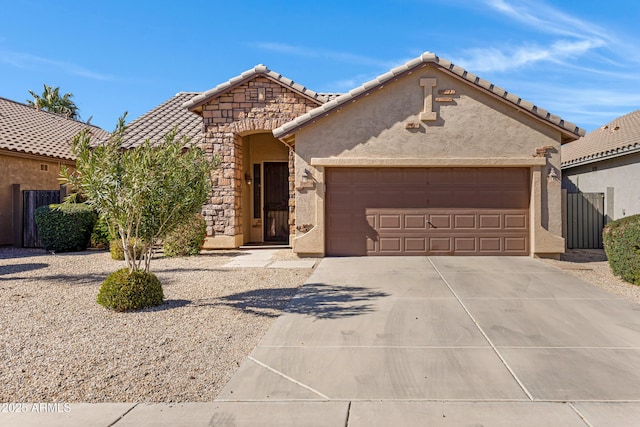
{"x":265,"y":195}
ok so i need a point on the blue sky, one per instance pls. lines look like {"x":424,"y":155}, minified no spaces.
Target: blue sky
{"x":578,"y":59}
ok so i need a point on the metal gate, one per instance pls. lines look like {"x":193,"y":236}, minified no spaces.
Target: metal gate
{"x":33,"y":199}
{"x":585,"y":220}
{"x":276,"y":201}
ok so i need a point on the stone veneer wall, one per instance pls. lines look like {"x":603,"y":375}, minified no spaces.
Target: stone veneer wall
{"x":258,"y":105}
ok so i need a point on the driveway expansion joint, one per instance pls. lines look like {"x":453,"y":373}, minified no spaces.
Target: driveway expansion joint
{"x":504,"y":362}
{"x":288,"y":378}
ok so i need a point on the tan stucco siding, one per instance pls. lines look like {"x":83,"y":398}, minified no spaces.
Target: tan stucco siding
{"x":384,"y":128}
{"x":29,"y":173}
{"x":472,"y":125}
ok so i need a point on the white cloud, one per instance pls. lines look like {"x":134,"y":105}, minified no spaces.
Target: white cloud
{"x":510,"y":57}
{"x":547,"y":19}
{"x":574,"y":38}
{"x":27,"y":61}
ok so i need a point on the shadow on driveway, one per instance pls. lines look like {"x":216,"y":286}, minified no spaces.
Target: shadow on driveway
{"x":318,"y":300}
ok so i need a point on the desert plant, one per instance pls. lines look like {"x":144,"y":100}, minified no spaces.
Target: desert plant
{"x":100,"y":236}
{"x":123,"y":290}
{"x":187,"y":238}
{"x":143,"y":193}
{"x":621,"y":240}
{"x":65,"y":228}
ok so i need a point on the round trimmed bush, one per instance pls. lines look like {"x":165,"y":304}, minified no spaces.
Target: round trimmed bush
{"x":66,"y":227}
{"x":187,"y":238}
{"x":123,"y":291}
{"x":117,"y":252}
{"x":621,"y":240}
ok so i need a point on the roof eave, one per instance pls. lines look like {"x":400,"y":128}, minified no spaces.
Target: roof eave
{"x":259,"y":70}
{"x":599,"y":157}
{"x":569,"y":131}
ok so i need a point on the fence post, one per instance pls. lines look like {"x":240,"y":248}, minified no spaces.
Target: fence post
{"x":16,"y":217}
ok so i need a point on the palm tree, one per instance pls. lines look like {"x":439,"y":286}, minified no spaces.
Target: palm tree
{"x":51,"y":101}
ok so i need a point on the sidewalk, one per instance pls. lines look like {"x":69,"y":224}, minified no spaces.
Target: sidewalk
{"x":413,"y":341}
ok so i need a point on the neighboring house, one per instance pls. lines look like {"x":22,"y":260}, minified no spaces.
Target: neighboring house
{"x":607,"y":160}
{"x":34,"y":145}
{"x":427,"y":159}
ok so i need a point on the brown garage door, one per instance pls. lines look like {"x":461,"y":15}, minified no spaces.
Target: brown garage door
{"x":427,"y":211}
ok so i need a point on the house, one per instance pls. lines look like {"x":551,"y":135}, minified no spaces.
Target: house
{"x":607,"y":161}
{"x":34,"y":145}
{"x":426,"y":159}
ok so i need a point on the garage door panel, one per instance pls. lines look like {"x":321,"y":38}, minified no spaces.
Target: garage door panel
{"x":390,"y":222}
{"x":440,"y":245}
{"x":465,"y":245}
{"x":490,"y":221}
{"x":490,"y":244}
{"x":422,"y":211}
{"x":415,"y":245}
{"x":515,"y":244}
{"x":390,"y":244}
{"x":515,"y":222}
{"x":440,"y":221}
{"x":464,"y":221}
{"x":416,"y":222}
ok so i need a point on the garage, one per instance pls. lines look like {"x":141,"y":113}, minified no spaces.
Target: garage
{"x":427,"y":211}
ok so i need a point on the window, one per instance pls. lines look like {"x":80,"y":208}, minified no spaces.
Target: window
{"x":257,"y":189}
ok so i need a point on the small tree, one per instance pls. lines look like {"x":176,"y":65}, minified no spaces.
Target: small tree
{"x":51,"y":101}
{"x":143,"y":193}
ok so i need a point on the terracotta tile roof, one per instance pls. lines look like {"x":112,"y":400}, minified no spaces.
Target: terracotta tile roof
{"x":158,"y":122}
{"x":570,"y":130}
{"x":249,"y":74}
{"x":25,"y":129}
{"x":619,"y":137}
{"x":330,"y":96}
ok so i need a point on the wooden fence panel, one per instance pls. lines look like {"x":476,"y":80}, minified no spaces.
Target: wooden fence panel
{"x":585,"y":220}
{"x":33,"y":199}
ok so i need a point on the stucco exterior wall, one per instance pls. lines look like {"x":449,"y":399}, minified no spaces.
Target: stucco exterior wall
{"x":473,"y":128}
{"x":618,"y":173}
{"x":28,"y":172}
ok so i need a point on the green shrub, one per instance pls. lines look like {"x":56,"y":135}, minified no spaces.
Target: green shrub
{"x":187,"y":238}
{"x":621,"y":239}
{"x":122,"y":290}
{"x":65,"y":228}
{"x":117,"y":252}
{"x":100,"y":237}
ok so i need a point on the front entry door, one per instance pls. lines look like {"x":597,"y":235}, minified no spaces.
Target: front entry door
{"x":276,"y":202}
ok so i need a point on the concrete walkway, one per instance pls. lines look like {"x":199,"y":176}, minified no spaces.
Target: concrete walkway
{"x":264,"y":258}
{"x":422,"y":341}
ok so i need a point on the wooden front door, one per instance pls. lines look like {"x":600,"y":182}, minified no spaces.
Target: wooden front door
{"x":276,"y":202}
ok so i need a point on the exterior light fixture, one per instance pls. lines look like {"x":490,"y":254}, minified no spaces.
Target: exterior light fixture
{"x":553,"y":175}
{"x":306,"y":181}
{"x":248,"y":179}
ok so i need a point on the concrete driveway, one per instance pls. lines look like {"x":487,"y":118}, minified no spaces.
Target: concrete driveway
{"x":448,"y":341}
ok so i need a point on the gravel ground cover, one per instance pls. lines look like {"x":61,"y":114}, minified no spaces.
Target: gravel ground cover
{"x":58,"y":345}
{"x":591,"y":266}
